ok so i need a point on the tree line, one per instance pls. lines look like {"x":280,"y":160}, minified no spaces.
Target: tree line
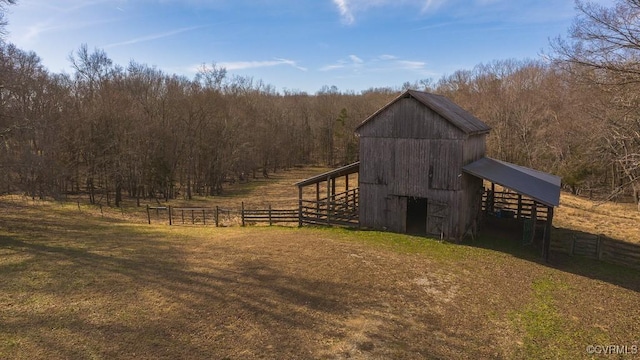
{"x":109,"y":131}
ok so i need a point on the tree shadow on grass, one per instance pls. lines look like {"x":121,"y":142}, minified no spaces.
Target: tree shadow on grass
{"x":510,"y":241}
{"x":112,"y":290}
{"x":248,"y":297}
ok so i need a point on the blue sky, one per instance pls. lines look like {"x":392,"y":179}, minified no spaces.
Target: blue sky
{"x":294,"y":44}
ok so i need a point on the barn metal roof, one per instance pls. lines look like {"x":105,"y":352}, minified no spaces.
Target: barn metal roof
{"x":332,"y":174}
{"x":538,"y":185}
{"x":446,"y":108}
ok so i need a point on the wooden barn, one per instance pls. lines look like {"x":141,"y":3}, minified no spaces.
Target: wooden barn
{"x":422,"y":170}
{"x":412,"y":152}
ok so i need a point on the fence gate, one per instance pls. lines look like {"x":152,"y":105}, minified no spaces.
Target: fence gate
{"x":437,"y":213}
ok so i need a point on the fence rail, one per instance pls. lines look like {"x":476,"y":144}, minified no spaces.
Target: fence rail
{"x":599,"y":247}
{"x":218,"y":216}
{"x":510,"y":204}
{"x":270,"y":216}
{"x":340,"y":209}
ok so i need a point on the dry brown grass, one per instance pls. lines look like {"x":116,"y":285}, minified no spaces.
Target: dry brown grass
{"x":615,"y":220}
{"x":80,"y":284}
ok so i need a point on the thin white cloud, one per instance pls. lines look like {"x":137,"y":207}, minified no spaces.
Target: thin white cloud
{"x":355,"y":59}
{"x":352,"y":61}
{"x":411,"y":65}
{"x":348,"y":8}
{"x":57,"y":16}
{"x":35,"y":31}
{"x":380,"y":63}
{"x":152,"y":37}
{"x":332,"y":67}
{"x":430,"y":5}
{"x":243,"y":65}
{"x":345,"y":11}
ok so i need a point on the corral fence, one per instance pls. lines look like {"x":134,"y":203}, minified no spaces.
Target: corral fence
{"x":599,"y":247}
{"x":339,"y":209}
{"x":218,"y":216}
{"x":512,"y":205}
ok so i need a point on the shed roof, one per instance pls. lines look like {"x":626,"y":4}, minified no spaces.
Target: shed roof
{"x":446,"y":108}
{"x":538,"y":185}
{"x":332,"y":174}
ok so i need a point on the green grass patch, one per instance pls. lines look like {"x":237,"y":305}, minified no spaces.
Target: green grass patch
{"x":540,"y":322}
{"x":548,"y":332}
{"x":400,"y":243}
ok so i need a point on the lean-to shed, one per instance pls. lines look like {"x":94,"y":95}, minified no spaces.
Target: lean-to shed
{"x":412,"y":152}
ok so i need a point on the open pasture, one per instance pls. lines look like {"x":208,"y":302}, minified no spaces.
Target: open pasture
{"x":80,"y":284}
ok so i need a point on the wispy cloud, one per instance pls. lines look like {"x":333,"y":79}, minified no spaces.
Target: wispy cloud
{"x":348,"y":8}
{"x":36,"y":30}
{"x":345,"y":11}
{"x":380,"y":63}
{"x":352,"y":61}
{"x":411,"y":65}
{"x":355,"y":59}
{"x":152,"y":37}
{"x":243,"y":65}
{"x":59,"y":16}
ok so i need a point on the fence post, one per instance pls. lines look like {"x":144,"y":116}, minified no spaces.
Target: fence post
{"x":572,"y":248}
{"x":242,"y":212}
{"x":170,"y":220}
{"x":299,"y":206}
{"x":270,"y":223}
{"x":182,"y":214}
{"x":204,"y":217}
{"x":217,"y":212}
{"x":599,"y":247}
{"x":148,"y":215}
{"x":328,"y":200}
{"x":193,"y":218}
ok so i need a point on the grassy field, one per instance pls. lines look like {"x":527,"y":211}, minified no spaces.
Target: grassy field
{"x":84,"y":284}
{"x":615,"y":220}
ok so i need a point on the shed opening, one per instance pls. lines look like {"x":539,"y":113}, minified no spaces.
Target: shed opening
{"x":416,"y":216}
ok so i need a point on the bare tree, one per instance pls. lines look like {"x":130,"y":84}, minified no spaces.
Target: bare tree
{"x":605,"y":40}
{"x":3,"y":18}
{"x":604,"y":50}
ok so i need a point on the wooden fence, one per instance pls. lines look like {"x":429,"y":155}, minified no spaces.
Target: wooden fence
{"x":599,"y":247}
{"x":339,"y":209}
{"x":508,"y":204}
{"x":270,"y":216}
{"x":220,"y":216}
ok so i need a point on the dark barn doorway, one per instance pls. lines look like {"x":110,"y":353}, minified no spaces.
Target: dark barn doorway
{"x":416,"y":216}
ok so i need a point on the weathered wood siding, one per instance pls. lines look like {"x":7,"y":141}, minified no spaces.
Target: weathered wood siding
{"x":407,"y":150}
{"x":475,"y":148}
{"x":373,"y":205}
{"x":409,"y":119}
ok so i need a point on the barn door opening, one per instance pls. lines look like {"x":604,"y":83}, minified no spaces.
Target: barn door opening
{"x":416,"y":216}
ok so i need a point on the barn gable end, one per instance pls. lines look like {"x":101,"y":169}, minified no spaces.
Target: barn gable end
{"x":423,"y":116}
{"x":412,"y":152}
